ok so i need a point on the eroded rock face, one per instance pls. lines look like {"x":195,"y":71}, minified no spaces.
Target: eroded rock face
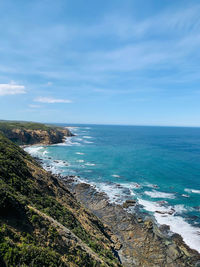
{"x":139,"y":241}
{"x":30,"y":137}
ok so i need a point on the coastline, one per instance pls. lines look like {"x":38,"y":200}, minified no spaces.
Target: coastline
{"x":142,"y":222}
{"x":139,"y":236}
{"x":136,"y":234}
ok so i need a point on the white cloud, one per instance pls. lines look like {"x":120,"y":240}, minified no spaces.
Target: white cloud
{"x":51,"y":100}
{"x":11,"y":89}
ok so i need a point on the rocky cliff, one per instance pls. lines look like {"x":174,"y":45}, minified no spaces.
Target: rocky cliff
{"x":33,"y":133}
{"x":41,"y":223}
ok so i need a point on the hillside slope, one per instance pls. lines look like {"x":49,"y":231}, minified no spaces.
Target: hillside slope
{"x":29,"y":133}
{"x":41,"y":223}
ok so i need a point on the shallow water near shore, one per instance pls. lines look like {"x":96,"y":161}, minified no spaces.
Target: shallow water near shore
{"x":158,"y":166}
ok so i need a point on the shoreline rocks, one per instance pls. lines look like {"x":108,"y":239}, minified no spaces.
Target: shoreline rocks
{"x":129,"y":203}
{"x":141,"y":242}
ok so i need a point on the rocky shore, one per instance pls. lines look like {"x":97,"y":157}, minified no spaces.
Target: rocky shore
{"x":138,"y":239}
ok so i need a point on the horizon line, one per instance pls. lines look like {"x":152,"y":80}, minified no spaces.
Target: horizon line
{"x":108,"y":124}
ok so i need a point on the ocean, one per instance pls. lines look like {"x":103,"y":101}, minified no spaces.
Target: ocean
{"x":157,"y":166}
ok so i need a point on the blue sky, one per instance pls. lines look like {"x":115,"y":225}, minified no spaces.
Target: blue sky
{"x":110,"y":62}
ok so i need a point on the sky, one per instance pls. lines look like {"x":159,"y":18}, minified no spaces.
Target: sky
{"x":134,"y":62}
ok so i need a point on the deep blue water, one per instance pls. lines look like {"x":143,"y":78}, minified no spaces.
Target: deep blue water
{"x":158,"y":166}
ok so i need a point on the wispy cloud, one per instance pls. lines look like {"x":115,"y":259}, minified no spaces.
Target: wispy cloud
{"x":11,"y":89}
{"x":51,"y":100}
{"x":116,"y":55}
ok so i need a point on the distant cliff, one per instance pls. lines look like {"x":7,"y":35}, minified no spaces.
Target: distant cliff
{"x":29,"y":133}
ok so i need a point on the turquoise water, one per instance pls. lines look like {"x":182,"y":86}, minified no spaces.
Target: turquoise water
{"x":158,"y":166}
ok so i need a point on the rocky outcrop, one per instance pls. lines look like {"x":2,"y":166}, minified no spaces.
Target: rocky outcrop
{"x":140,"y":242}
{"x":30,"y":137}
{"x":34,"y":133}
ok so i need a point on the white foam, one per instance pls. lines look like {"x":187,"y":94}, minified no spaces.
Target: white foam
{"x":35,"y":151}
{"x":80,"y":153}
{"x":74,"y":128}
{"x":153,"y":206}
{"x":195,"y":191}
{"x":87,"y":137}
{"x":151,"y":185}
{"x":184,"y":195}
{"x":88,"y":142}
{"x":70,"y":142}
{"x":60,"y":163}
{"x":51,"y":168}
{"x":158,"y":194}
{"x":90,"y":164}
{"x":78,"y":139}
{"x":115,"y":175}
{"x":177,"y":224}
{"x":180,"y":209}
{"x":80,"y":160}
{"x":116,"y":193}
{"x":134,"y":185}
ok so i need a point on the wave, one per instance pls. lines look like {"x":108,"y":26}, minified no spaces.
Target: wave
{"x":168,"y":215}
{"x":90,"y":164}
{"x":36,"y":151}
{"x":71,"y":142}
{"x":151,"y":185}
{"x":88,"y":142}
{"x":115,"y":175}
{"x":51,"y":169}
{"x":55,"y":166}
{"x":87,"y":137}
{"x":158,"y":194}
{"x":72,"y":128}
{"x":60,"y":163}
{"x":80,"y":153}
{"x":80,"y":160}
{"x":117,"y":193}
{"x":132,"y":185}
{"x":195,"y":191}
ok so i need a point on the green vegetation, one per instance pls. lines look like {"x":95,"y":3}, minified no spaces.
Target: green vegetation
{"x":28,"y":238}
{"x":9,"y":125}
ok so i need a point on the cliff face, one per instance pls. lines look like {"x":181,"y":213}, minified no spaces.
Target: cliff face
{"x":33,"y":133}
{"x":41,"y":223}
{"x":30,"y":137}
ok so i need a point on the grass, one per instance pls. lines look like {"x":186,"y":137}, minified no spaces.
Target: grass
{"x":9,"y":125}
{"x":26,"y":239}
